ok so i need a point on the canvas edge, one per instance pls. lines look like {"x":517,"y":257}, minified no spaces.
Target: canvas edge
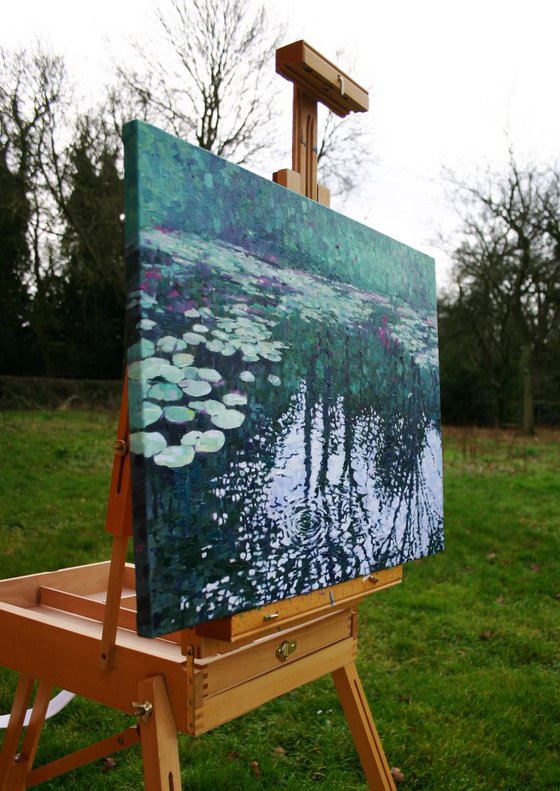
{"x":131,"y":134}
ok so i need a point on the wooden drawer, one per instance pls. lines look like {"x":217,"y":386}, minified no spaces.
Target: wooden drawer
{"x":226,"y":686}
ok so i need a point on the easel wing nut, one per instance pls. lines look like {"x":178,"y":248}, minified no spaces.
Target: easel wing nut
{"x":120,"y":447}
{"x":143,"y":710}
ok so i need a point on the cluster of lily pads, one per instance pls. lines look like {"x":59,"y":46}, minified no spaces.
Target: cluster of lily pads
{"x":165,"y":383}
{"x":311,"y":296}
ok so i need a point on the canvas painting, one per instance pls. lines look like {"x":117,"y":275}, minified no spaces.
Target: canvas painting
{"x":283,"y":390}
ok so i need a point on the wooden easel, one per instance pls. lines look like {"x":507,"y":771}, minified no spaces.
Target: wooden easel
{"x":76,"y":628}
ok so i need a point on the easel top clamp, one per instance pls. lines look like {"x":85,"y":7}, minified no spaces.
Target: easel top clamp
{"x":315,"y":80}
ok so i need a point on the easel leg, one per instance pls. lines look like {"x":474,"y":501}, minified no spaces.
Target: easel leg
{"x":15,"y":727}
{"x":14,"y":773}
{"x":367,"y":741}
{"x":158,"y":735}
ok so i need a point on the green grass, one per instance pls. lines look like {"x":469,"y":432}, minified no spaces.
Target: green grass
{"x":460,"y":663}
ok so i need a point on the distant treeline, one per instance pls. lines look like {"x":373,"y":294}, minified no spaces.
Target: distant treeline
{"x":61,"y":257}
{"x":500,"y":323}
{"x":41,"y":392}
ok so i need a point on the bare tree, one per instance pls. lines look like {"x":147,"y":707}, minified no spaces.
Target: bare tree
{"x":33,"y":88}
{"x":345,"y":145}
{"x":507,"y":269}
{"x":212,"y":81}
{"x":344,"y":153}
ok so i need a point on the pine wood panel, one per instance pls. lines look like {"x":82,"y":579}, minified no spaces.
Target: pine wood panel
{"x":254,"y":623}
{"x":64,"y":649}
{"x":24,"y":591}
{"x":243,"y":698}
{"x":222,"y":672}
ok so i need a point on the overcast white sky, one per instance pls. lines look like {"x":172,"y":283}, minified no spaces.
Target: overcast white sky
{"x":450,"y":82}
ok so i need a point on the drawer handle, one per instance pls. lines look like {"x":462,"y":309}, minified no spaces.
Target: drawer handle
{"x":285,"y":649}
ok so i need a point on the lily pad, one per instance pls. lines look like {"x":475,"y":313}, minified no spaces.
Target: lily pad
{"x":274,"y":380}
{"x":235,"y":399}
{"x":250,"y":358}
{"x":225,"y":323}
{"x":215,"y":345}
{"x":197,"y":388}
{"x":228,"y":350}
{"x":175,"y":456}
{"x":206,"y":312}
{"x":200,"y":328}
{"x":145,"y":324}
{"x":191,"y":438}
{"x":192,"y":313}
{"x":169,"y":344}
{"x":228,"y":418}
{"x":146,"y":300}
{"x":146,"y":414}
{"x":210,"y":442}
{"x":193,"y":338}
{"x":209,"y":406}
{"x":144,"y":370}
{"x":209,"y":375}
{"x":273,"y":356}
{"x":182,"y":359}
{"x":178,"y":414}
{"x":189,"y":373}
{"x":165,"y":391}
{"x":247,"y":376}
{"x":171,"y":374}
{"x":220,"y":335}
{"x":143,"y":348}
{"x":147,"y":443}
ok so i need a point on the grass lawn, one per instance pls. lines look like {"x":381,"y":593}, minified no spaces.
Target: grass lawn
{"x":460,"y":663}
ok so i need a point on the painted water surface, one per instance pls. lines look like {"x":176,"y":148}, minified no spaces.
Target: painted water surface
{"x":283,"y":390}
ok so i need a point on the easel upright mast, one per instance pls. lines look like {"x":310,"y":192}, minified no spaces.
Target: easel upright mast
{"x":199,"y":678}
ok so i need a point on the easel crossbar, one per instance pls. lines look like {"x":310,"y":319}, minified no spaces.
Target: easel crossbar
{"x":93,"y":752}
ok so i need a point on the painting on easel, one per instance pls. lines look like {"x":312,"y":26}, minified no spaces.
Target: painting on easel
{"x":283,"y":390}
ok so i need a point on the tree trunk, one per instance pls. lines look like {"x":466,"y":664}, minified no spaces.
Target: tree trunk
{"x":528,"y":398}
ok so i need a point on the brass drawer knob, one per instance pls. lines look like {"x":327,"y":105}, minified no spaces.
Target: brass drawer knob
{"x":285,"y":649}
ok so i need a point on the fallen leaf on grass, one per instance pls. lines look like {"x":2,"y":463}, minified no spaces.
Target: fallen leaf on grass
{"x":488,"y":634}
{"x":397,"y":775}
{"x":557,"y":595}
{"x":232,"y":755}
{"x":500,"y":600}
{"x":491,"y":556}
{"x":108,"y":764}
{"x":255,"y":768}
{"x":535,"y":568}
{"x":280,"y":752}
